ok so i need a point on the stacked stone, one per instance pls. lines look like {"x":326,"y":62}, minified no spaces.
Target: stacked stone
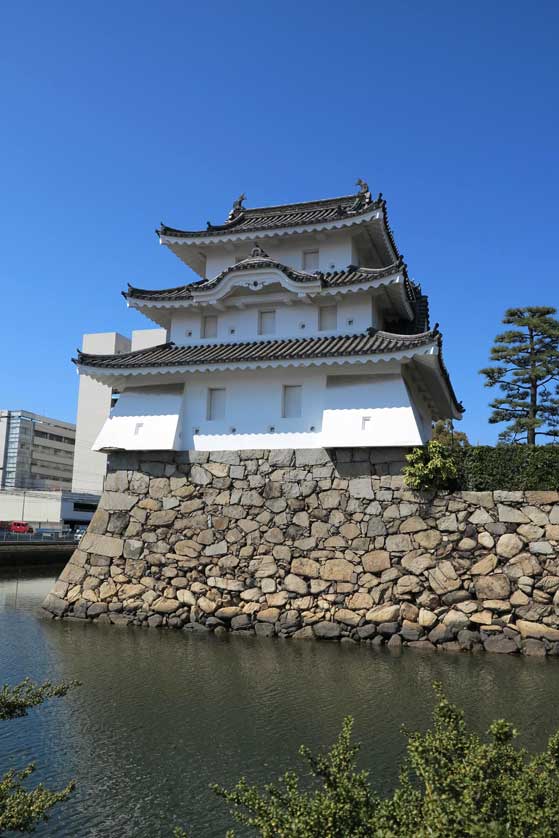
{"x":311,"y":544}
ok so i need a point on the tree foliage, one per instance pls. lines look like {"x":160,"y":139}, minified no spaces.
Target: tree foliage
{"x":17,"y":701}
{"x":510,"y":467}
{"x":454,"y":784}
{"x":431,"y":467}
{"x":21,"y":809}
{"x":445,"y":433}
{"x":526,"y":371}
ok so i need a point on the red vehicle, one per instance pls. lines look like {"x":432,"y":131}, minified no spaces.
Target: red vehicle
{"x":20,"y":527}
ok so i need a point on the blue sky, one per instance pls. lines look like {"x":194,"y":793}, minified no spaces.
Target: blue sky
{"x":118,"y":116}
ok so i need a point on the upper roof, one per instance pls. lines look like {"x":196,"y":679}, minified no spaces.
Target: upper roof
{"x":360,"y":215}
{"x":243,"y":219}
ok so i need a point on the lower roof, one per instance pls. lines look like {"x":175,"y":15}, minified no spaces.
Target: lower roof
{"x":169,"y":356}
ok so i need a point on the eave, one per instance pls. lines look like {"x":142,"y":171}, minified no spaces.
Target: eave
{"x":152,"y":375}
{"x":257,"y":219}
{"x":233,"y":235}
{"x":256,"y":274}
{"x":373,"y":347}
{"x":191,"y":249}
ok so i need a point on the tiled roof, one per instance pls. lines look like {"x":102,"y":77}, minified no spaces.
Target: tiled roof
{"x":171,"y":355}
{"x":283,"y":349}
{"x":242,"y":219}
{"x":420,"y":321}
{"x":349,"y":276}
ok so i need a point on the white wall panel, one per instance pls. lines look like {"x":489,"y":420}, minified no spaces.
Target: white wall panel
{"x":334,"y":254}
{"x":144,"y":419}
{"x":356,"y":312}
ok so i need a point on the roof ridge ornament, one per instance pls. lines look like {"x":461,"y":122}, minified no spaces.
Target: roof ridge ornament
{"x":363,"y":198}
{"x":258,"y":253}
{"x":237,"y":207}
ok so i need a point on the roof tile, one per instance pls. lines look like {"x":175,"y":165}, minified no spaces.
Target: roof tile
{"x":333,"y":279}
{"x":281,"y":349}
{"x":286,"y":215}
{"x":171,"y":355}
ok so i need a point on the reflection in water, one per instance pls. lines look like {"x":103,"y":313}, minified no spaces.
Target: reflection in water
{"x":162,"y":714}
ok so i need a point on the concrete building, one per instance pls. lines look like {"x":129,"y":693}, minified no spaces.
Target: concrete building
{"x":94,"y":404}
{"x":303,"y":330}
{"x":95,"y":400}
{"x":52,"y":510}
{"x":36,"y":452}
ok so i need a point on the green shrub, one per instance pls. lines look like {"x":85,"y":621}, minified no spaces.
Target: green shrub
{"x":510,"y":467}
{"x":481,"y":468}
{"x":431,"y":467}
{"x":454,"y":784}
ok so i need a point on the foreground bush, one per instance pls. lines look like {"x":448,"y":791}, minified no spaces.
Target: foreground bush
{"x":454,"y":784}
{"x":433,"y":466}
{"x":21,"y":809}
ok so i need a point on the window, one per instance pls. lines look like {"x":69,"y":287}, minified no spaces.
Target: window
{"x":84,"y":507}
{"x":291,"y":402}
{"x":216,"y":403}
{"x":55,"y":437}
{"x":310,"y":260}
{"x":327,"y":318}
{"x":267,"y":322}
{"x":209,"y":326}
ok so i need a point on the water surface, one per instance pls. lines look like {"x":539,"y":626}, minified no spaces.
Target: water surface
{"x":162,"y":714}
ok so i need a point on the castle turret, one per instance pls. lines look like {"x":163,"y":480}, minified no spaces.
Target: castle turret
{"x":303,"y":330}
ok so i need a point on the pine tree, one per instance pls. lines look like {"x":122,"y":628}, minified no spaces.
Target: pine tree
{"x":527,"y":372}
{"x":22,"y":808}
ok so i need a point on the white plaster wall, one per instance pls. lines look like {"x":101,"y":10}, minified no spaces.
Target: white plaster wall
{"x":356,"y":313}
{"x":421,"y":410}
{"x":144,"y":419}
{"x":335,"y":253}
{"x":342,"y":405}
{"x":334,"y":407}
{"x":370,"y":410}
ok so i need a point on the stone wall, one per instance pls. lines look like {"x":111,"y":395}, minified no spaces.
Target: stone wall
{"x":311,"y":543}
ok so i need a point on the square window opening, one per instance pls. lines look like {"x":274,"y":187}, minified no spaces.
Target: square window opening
{"x":327,"y":318}
{"x":209,"y":326}
{"x":216,"y":403}
{"x":292,"y":400}
{"x":267,"y":322}
{"x":310,"y":260}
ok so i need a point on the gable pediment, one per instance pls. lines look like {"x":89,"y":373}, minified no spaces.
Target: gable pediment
{"x":253,"y":277}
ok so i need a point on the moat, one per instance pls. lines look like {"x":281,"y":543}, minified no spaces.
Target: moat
{"x":162,"y":714}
